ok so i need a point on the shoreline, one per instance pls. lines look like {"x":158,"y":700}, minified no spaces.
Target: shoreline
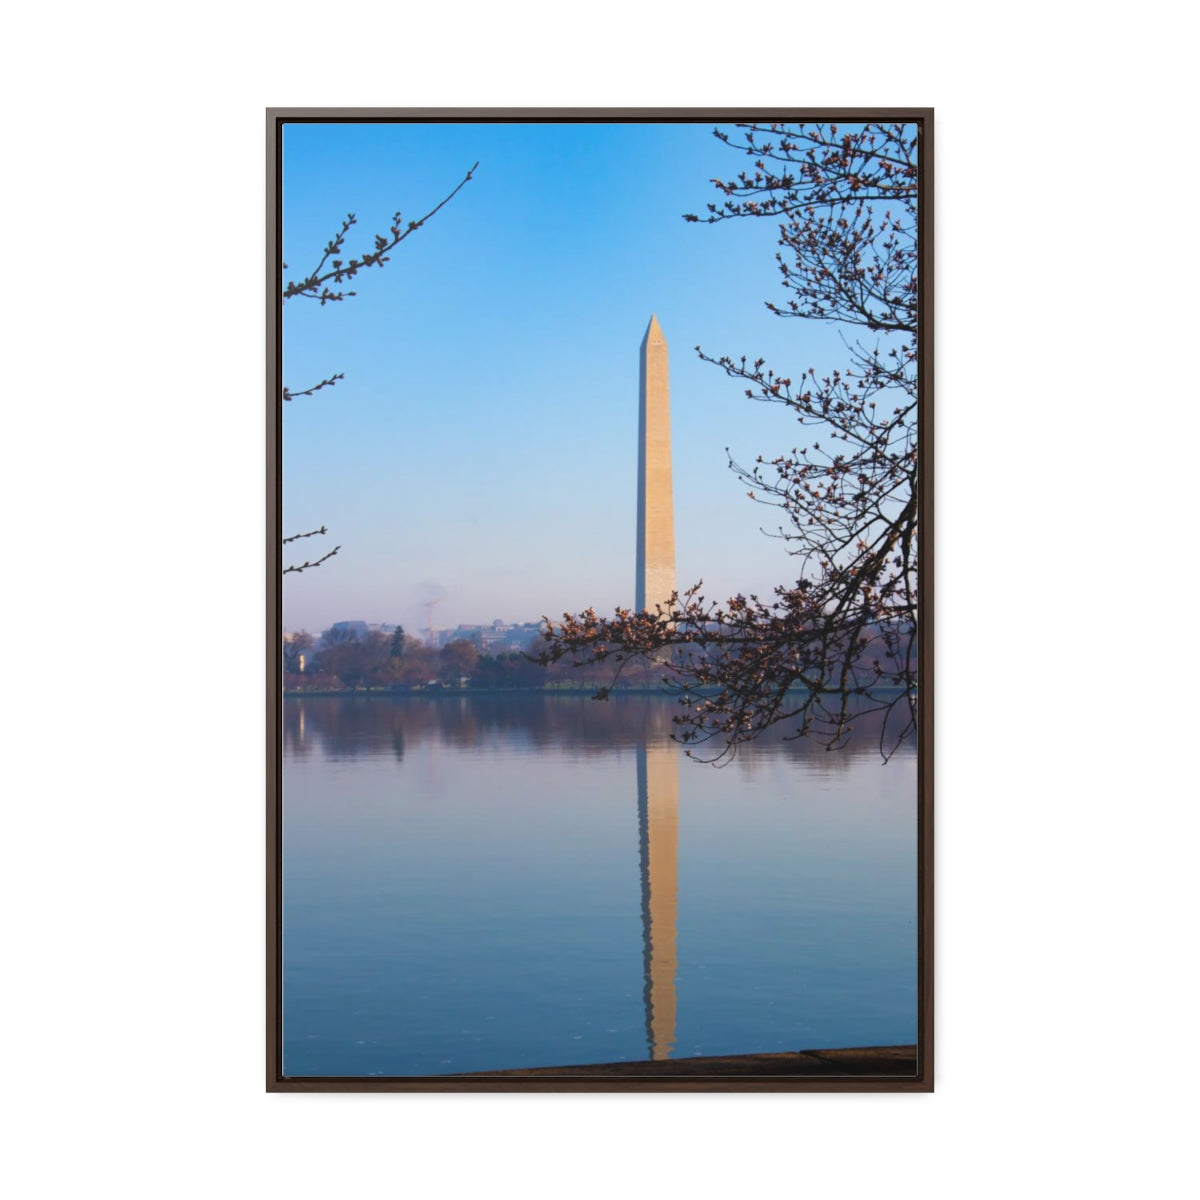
{"x":852,"y":1062}
{"x":549,"y":690}
{"x":442,"y":693}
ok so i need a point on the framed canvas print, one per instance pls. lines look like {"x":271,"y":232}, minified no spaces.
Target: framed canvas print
{"x":599,"y":611}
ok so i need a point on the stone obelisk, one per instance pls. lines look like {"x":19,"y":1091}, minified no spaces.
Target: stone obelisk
{"x":655,"y":511}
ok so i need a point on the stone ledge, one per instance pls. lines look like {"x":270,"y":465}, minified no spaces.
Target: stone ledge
{"x":889,"y":1061}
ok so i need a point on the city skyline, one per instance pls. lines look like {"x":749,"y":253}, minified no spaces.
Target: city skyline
{"x":482,"y":449}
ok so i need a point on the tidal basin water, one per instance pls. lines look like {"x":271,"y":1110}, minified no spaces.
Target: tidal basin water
{"x":481,"y":882}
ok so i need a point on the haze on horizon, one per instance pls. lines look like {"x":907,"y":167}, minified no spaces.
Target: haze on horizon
{"x":482,"y":447}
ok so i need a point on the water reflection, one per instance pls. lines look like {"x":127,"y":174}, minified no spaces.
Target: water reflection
{"x":658,"y":837}
{"x":360,"y":726}
{"x":461,"y":891}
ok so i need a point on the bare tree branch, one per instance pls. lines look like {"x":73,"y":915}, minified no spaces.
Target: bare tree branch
{"x":839,"y":640}
{"x":288,"y":394}
{"x":311,"y":533}
{"x":304,"y":566}
{"x":312,"y":286}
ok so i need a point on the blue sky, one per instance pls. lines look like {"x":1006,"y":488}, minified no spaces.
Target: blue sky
{"x":483,"y":445}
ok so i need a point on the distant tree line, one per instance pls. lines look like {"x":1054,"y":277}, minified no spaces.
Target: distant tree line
{"x":353,"y":659}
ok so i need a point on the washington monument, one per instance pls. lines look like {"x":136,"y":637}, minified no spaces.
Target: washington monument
{"x":657,"y":763}
{"x":655,"y":511}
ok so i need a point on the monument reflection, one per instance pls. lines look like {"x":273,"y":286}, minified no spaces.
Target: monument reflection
{"x":658,"y":838}
{"x":484,"y":882}
{"x":351,"y":727}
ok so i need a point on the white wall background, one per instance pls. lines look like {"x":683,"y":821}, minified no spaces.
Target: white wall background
{"x":132,"y":537}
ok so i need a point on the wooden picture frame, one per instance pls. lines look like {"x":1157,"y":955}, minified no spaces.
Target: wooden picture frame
{"x":842,"y":1069}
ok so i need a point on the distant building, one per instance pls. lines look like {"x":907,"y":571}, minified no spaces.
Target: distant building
{"x":465,"y":633}
{"x":500,"y":638}
{"x":343,"y":630}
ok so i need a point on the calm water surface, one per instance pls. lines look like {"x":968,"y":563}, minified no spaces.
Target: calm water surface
{"x":478,"y":883}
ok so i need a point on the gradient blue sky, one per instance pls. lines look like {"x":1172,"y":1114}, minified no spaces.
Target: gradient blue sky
{"x":483,"y":445}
